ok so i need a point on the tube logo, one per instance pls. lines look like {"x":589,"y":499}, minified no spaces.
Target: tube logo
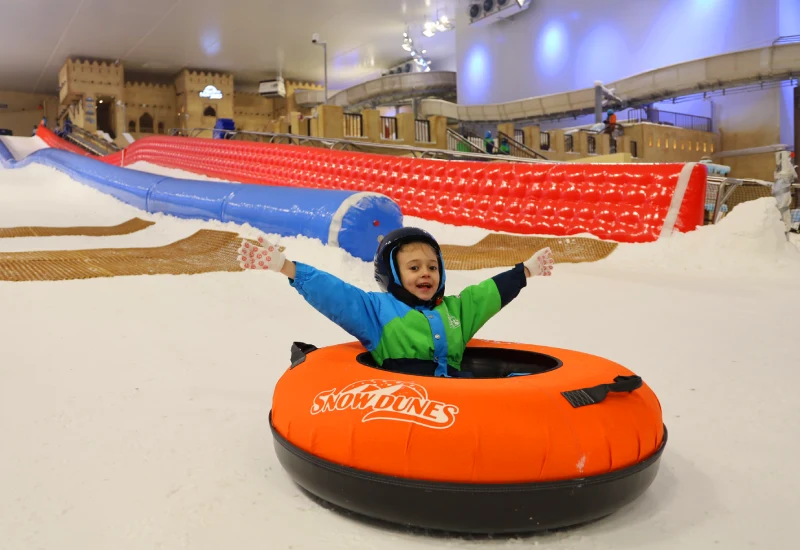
{"x":388,"y":400}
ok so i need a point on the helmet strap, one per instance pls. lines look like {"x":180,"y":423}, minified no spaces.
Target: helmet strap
{"x":393,"y":264}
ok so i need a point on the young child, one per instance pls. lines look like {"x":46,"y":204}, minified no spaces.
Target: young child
{"x":410,"y":327}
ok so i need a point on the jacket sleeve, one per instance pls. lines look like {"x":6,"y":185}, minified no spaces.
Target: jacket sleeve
{"x":346,"y":305}
{"x":481,"y":302}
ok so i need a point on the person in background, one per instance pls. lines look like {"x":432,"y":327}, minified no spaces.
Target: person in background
{"x":488,"y":142}
{"x":505,"y":148}
{"x":610,"y":121}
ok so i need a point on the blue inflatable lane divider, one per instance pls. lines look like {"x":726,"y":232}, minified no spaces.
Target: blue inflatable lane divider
{"x":353,"y":221}
{"x":6,"y":158}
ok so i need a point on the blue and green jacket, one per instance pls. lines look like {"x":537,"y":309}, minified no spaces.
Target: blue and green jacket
{"x":421,"y":340}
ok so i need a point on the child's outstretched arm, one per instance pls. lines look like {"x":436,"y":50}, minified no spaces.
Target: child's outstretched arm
{"x":481,"y":302}
{"x":346,"y":305}
{"x":540,"y":264}
{"x":265,"y":256}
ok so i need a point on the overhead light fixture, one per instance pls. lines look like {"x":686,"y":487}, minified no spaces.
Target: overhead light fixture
{"x":407,"y":44}
{"x":443,"y":24}
{"x":430,"y":28}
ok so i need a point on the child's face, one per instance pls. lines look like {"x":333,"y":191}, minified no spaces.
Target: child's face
{"x":419,"y":269}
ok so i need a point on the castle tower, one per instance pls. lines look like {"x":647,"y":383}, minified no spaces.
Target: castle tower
{"x":91,"y":94}
{"x":203,"y":98}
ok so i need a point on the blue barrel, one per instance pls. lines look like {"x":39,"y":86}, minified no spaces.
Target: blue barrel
{"x":353,"y":221}
{"x":223,"y":124}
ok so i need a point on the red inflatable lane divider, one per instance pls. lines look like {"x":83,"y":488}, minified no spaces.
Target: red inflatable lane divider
{"x":620,"y":202}
{"x":56,"y":142}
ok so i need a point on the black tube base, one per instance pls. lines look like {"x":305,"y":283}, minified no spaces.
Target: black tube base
{"x":468,"y":508}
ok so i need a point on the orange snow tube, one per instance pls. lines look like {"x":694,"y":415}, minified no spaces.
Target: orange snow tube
{"x":539,"y":438}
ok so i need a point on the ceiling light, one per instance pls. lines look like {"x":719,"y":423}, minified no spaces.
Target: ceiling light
{"x":430,"y":29}
{"x":443,"y":24}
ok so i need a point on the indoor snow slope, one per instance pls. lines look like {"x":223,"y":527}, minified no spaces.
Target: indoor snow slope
{"x":20,"y":147}
{"x":134,"y":410}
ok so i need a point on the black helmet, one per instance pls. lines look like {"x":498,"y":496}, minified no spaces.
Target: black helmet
{"x":386,"y":273}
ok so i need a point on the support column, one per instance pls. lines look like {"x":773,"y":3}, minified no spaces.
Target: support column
{"x":557,"y":144}
{"x":598,"y":102}
{"x":533,"y":137}
{"x":372,"y":124}
{"x":507,"y":128}
{"x":438,"y":126}
{"x":330,"y":121}
{"x":405,"y":128}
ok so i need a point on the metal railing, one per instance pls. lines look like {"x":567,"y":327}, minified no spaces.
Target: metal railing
{"x":591,"y":145}
{"x":457,"y":142}
{"x":544,"y":141}
{"x":353,"y":125}
{"x":516,"y":148}
{"x":723,"y":194}
{"x":634,"y":149}
{"x":89,"y":141}
{"x":612,"y":145}
{"x":389,"y":127}
{"x":679,"y":120}
{"x":789,"y":39}
{"x":519,"y":135}
{"x":350,"y":145}
{"x":569,"y":143}
{"x":422,"y":131}
{"x":477,"y":142}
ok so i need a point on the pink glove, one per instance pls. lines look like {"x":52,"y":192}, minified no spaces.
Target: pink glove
{"x":541,"y":263}
{"x":267,"y":256}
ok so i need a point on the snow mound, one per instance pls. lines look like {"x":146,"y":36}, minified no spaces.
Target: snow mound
{"x":750,"y":241}
{"x":21,"y":147}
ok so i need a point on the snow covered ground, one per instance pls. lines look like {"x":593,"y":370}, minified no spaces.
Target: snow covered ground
{"x":171,"y":172}
{"x":21,"y":147}
{"x":133,"y":410}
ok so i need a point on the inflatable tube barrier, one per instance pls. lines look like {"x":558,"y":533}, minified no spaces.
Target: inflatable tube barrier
{"x":6,"y":158}
{"x":52,"y":140}
{"x":540,"y":438}
{"x":350,"y":220}
{"x":620,"y":202}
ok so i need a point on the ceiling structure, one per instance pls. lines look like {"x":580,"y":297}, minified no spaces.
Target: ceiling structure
{"x":252,"y":39}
